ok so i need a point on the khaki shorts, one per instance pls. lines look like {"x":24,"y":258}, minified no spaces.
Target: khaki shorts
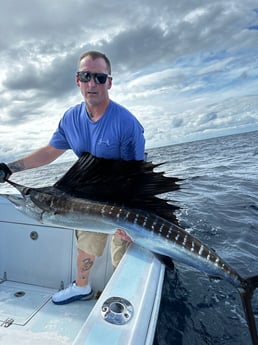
{"x":118,"y":248}
{"x":94,"y":243}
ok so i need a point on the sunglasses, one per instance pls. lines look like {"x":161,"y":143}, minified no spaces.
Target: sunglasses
{"x":99,"y":78}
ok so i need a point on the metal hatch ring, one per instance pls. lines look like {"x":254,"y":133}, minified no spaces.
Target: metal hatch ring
{"x":117,"y":310}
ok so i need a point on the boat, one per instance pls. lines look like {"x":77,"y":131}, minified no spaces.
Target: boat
{"x":37,"y":260}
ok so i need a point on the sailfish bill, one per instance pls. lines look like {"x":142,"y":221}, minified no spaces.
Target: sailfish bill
{"x":102,"y":195}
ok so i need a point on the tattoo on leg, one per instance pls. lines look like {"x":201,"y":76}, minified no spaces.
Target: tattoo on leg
{"x":87,"y":264}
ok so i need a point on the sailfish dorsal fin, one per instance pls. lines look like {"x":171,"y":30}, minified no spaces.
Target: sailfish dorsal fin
{"x":131,"y":183}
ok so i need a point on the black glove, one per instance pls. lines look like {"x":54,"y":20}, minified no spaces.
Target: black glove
{"x":5,"y":172}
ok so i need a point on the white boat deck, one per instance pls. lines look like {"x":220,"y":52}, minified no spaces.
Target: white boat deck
{"x":36,"y":260}
{"x":34,"y":319}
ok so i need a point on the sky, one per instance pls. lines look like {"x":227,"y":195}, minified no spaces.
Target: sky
{"x":188,"y":70}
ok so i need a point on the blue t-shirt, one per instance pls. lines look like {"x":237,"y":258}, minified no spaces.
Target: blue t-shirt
{"x":116,"y":135}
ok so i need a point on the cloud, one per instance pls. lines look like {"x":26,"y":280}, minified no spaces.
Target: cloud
{"x":187,"y":70}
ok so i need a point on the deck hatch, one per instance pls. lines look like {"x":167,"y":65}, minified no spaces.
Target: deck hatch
{"x":20,"y":302}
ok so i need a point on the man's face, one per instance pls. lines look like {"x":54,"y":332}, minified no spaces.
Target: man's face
{"x":92,"y":92}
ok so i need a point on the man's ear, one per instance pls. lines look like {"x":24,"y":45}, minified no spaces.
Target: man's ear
{"x":109,"y":83}
{"x":77,"y":80}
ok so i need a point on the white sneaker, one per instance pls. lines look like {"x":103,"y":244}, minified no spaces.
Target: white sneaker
{"x":73,"y":293}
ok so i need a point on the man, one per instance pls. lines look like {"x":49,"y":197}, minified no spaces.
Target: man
{"x":106,"y":130}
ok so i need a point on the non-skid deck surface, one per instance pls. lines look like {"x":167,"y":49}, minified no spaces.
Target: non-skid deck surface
{"x":20,"y":302}
{"x":36,"y":320}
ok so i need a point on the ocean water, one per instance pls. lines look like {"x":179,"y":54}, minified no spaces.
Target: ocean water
{"x":219,"y":205}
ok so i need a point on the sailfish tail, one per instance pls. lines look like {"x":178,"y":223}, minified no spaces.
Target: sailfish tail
{"x":246,"y":294}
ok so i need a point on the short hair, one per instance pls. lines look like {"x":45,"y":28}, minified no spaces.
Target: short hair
{"x":95,"y":55}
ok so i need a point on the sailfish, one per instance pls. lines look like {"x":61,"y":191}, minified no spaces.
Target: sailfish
{"x":101,"y":195}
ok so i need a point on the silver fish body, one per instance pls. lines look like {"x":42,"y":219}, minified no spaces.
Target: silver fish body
{"x":145,"y":229}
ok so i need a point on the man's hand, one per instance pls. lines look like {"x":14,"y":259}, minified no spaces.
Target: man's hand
{"x":122,"y":234}
{"x":5,"y":172}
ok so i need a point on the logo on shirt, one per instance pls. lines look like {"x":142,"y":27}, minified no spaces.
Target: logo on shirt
{"x":104,"y":142}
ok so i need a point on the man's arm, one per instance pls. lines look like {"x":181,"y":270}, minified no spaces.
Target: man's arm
{"x":42,"y":156}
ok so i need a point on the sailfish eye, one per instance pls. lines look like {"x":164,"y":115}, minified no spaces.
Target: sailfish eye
{"x":26,"y":191}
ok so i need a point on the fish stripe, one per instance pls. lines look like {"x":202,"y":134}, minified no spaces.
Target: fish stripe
{"x":166,"y":230}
